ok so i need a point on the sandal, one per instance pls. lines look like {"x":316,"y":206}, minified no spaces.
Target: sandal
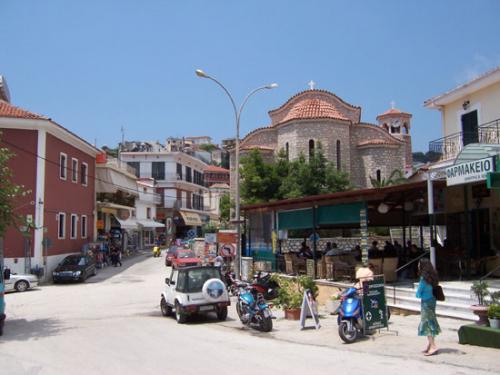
{"x":428,"y":354}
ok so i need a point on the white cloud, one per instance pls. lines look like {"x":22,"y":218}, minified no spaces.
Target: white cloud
{"x":479,"y":65}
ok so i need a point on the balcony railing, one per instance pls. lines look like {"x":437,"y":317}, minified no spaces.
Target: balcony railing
{"x":449,"y":147}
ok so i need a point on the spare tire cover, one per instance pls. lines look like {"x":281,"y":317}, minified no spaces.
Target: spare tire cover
{"x":213,"y":289}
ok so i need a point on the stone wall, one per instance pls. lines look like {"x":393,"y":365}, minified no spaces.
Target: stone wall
{"x":328,"y":132}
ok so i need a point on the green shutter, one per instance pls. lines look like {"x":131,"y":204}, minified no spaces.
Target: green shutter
{"x":340,"y":214}
{"x":297,"y":219}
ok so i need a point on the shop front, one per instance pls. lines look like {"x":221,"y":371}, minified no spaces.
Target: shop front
{"x":472,"y":213}
{"x":187,"y":224}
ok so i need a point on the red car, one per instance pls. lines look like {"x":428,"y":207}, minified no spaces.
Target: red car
{"x":185,"y":258}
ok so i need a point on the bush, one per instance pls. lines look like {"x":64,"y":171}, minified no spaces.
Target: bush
{"x":494,"y":311}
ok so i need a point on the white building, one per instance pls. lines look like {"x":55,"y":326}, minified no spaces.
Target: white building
{"x":180,"y":183}
{"x":145,"y":208}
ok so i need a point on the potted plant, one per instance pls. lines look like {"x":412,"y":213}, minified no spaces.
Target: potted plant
{"x":291,"y":293}
{"x":333,"y":303}
{"x":494,"y":315}
{"x":480,"y":290}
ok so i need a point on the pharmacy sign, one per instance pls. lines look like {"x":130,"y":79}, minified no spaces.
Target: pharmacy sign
{"x":471,"y":171}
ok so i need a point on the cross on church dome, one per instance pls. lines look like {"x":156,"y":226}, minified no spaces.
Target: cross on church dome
{"x":311,"y":84}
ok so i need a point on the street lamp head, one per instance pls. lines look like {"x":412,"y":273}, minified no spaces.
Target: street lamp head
{"x":201,"y":73}
{"x":272,"y":86}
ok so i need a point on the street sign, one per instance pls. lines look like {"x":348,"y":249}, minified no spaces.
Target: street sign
{"x":191,"y":234}
{"x":309,"y":309}
{"x":374,"y":304}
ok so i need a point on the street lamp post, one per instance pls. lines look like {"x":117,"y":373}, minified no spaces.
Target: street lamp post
{"x":237,"y":115}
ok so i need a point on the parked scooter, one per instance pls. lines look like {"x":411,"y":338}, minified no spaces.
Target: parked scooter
{"x":156,"y":251}
{"x":262,"y":283}
{"x":253,"y":309}
{"x":350,"y":317}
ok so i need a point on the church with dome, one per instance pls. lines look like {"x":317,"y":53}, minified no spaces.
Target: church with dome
{"x":318,"y":118}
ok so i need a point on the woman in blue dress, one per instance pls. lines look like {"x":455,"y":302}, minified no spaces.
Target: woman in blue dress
{"x":429,"y":325}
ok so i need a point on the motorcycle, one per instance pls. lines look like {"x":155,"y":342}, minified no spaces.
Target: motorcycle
{"x":262,"y":283}
{"x":350,"y":316}
{"x":252,"y":309}
{"x":156,"y":251}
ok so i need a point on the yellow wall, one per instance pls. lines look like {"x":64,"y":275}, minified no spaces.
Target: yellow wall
{"x":487,"y":102}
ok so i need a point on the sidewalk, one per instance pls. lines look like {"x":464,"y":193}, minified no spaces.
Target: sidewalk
{"x":403,"y":344}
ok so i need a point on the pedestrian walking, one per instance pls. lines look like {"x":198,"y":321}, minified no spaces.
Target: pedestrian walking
{"x":429,"y":325}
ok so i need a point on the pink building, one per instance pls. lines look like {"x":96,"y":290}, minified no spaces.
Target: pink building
{"x":57,"y":168}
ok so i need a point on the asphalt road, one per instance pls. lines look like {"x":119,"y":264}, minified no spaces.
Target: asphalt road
{"x":112,"y":325}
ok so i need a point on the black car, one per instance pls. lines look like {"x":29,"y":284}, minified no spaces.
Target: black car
{"x":74,"y":268}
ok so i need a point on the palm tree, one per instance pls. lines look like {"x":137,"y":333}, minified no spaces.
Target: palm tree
{"x":396,"y":178}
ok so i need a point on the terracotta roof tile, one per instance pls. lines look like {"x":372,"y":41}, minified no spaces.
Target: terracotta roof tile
{"x":393,"y":111}
{"x":313,"y":109}
{"x":214,"y":168}
{"x":373,"y":142}
{"x":251,"y":147}
{"x":8,"y":110}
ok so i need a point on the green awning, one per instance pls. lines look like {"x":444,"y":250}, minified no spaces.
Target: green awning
{"x":340,"y":214}
{"x":296,"y":219}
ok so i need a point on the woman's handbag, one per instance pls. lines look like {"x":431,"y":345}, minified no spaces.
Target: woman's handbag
{"x":438,"y":293}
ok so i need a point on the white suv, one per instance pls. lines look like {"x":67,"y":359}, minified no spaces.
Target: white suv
{"x":194,"y":290}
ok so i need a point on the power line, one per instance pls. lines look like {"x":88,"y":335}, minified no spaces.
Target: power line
{"x":72,"y":170}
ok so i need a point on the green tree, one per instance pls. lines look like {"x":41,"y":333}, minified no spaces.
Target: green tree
{"x":260,"y":182}
{"x":313,"y":177}
{"x":208,"y":147}
{"x":225,"y":208}
{"x":8,"y":192}
{"x":396,"y":178}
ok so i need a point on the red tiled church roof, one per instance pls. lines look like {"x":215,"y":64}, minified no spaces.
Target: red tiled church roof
{"x":9,"y":110}
{"x":214,"y":168}
{"x":393,"y":111}
{"x":313,"y":109}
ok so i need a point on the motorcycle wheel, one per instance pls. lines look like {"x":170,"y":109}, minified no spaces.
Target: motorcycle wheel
{"x":345,"y":334}
{"x":266,"y":324}
{"x":238,"y":309}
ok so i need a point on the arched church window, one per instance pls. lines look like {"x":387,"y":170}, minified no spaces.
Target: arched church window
{"x":379,"y":175}
{"x":339,"y":160}
{"x":386,"y":127}
{"x":311,"y":148}
{"x":287,"y":151}
{"x":405,"y":128}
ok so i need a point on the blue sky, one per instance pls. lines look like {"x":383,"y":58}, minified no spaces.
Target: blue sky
{"x":97,"y":65}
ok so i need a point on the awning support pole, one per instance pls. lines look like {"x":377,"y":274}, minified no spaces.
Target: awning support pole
{"x":430,"y":208}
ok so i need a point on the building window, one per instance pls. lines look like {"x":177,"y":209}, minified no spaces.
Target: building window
{"x":63,"y":166}
{"x":158,"y":170}
{"x":189,"y":177}
{"x":339,"y":157}
{"x":83,"y":231}
{"x":61,"y":225}
{"x":84,"y":174}
{"x":179,"y":171}
{"x":405,"y":128}
{"x":379,"y":175}
{"x":137,"y":167}
{"x":74,"y":170}
{"x":74,"y":220}
{"x":311,"y":148}
{"x":287,"y":151}
{"x":148,"y":212}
